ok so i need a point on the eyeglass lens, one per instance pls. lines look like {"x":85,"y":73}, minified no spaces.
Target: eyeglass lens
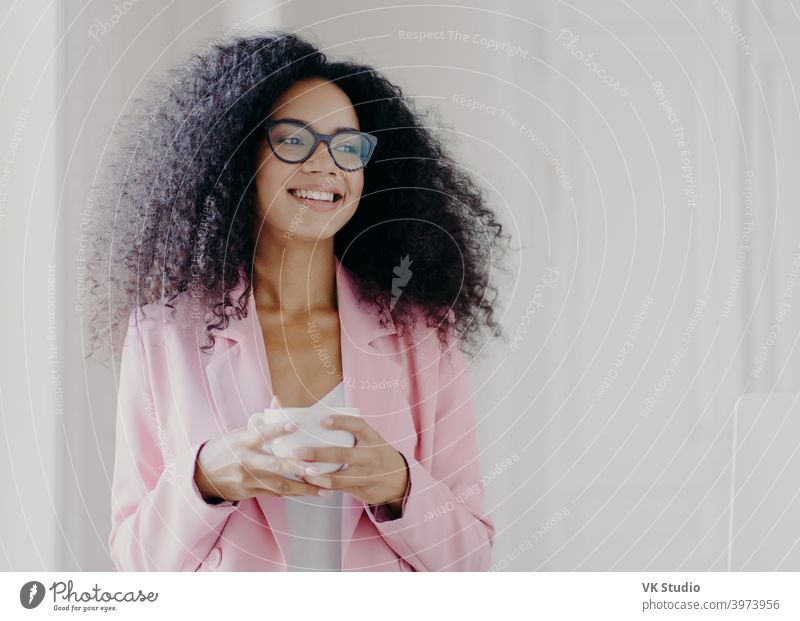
{"x":293,"y":143}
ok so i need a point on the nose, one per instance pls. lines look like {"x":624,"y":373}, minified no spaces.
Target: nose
{"x":320,"y":161}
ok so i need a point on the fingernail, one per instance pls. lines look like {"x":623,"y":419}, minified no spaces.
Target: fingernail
{"x":312,"y":470}
{"x":290,"y":427}
{"x":325,"y":421}
{"x":299,"y":453}
{"x":326,"y":492}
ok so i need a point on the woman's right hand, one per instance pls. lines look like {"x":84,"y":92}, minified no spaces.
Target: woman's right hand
{"x":235,"y":466}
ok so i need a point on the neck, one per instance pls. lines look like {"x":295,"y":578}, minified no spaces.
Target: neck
{"x":294,"y":276}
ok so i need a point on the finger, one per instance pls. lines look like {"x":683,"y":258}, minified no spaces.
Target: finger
{"x":350,"y":478}
{"x":265,"y":432}
{"x":266,"y":465}
{"x":354,"y":424}
{"x":334,"y":454}
{"x":287,"y":487}
{"x":324,"y":481}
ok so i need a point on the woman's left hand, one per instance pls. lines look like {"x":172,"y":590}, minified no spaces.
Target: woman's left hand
{"x":376,"y":473}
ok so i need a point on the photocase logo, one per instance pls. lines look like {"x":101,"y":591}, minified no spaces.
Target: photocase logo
{"x":403,"y":276}
{"x":31,"y":594}
{"x":66,"y":598}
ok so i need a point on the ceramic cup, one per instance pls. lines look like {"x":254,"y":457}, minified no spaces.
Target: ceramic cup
{"x":309,"y":433}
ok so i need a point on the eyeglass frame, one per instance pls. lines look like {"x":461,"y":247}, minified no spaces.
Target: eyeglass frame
{"x":318,"y":137}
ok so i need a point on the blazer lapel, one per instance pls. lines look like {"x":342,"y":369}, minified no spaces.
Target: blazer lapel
{"x":239,"y":383}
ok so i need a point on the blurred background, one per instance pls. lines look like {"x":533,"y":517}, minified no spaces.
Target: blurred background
{"x":646,"y":158}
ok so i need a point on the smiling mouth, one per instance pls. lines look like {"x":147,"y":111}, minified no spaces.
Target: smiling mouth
{"x":317,"y":196}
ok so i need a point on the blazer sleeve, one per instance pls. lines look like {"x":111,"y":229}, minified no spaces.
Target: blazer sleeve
{"x":159,"y":519}
{"x":442,"y":526}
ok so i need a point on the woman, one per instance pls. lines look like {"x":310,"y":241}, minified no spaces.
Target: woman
{"x":282,"y":223}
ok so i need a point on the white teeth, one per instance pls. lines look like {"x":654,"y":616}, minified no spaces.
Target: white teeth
{"x":317,"y":196}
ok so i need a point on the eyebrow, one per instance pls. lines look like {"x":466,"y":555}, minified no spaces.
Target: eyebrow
{"x":337,"y":129}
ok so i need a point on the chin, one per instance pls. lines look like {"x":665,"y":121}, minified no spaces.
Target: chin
{"x":306,"y":234}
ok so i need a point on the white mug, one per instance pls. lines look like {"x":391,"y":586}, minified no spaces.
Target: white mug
{"x":309,"y":433}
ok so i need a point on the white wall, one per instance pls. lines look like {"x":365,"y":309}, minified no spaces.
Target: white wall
{"x":31,"y":366}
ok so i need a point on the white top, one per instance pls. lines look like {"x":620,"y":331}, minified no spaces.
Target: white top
{"x":314,"y":523}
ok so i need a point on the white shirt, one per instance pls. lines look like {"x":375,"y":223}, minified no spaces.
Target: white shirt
{"x":314,"y":523}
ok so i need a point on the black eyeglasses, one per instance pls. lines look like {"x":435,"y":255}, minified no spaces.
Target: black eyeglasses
{"x":293,"y":141}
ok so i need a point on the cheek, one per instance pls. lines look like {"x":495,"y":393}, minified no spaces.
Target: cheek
{"x":355,"y":185}
{"x":271,"y":182}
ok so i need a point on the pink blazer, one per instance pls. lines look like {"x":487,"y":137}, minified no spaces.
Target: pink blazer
{"x":173,"y":398}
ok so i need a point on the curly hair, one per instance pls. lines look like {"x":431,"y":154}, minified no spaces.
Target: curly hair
{"x":178,"y":209}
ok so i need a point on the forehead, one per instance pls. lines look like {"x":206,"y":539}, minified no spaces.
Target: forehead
{"x":318,"y":102}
